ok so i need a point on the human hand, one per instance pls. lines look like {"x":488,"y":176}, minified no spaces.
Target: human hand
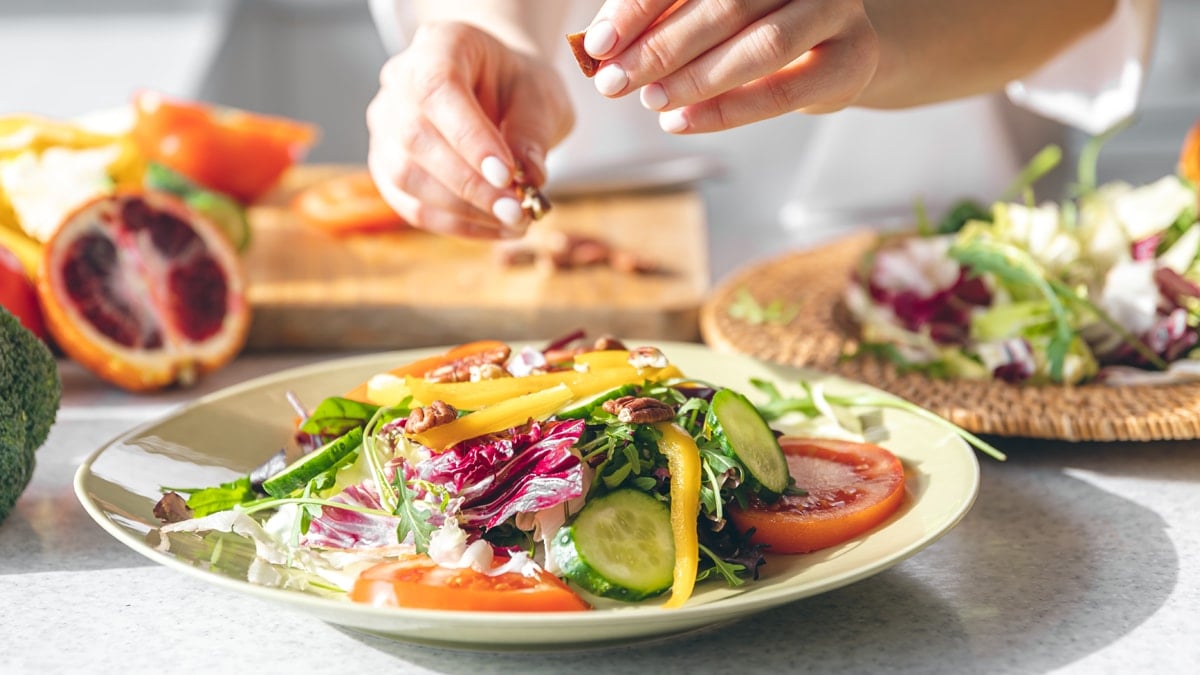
{"x":457,"y":115}
{"x":709,"y":65}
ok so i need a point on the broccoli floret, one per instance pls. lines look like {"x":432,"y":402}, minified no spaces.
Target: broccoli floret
{"x":30,"y":391}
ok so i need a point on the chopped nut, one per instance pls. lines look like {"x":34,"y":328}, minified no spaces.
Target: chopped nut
{"x":639,"y":410}
{"x":631,"y":263}
{"x":487,"y":371}
{"x":647,"y":357}
{"x":606,"y":343}
{"x":587,"y":64}
{"x":433,"y":415}
{"x":172,"y":508}
{"x":460,"y":370}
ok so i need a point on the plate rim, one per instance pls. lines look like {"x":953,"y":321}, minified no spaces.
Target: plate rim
{"x":334,"y":611}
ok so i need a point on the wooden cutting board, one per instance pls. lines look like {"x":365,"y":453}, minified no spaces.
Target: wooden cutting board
{"x":311,"y":290}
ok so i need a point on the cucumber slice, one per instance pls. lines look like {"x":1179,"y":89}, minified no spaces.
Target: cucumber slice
{"x":744,"y":434}
{"x":308,"y":467}
{"x":619,"y":546}
{"x":225,"y":213}
{"x":582,"y":409}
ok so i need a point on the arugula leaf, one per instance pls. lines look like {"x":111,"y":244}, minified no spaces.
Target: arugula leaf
{"x":225,"y":496}
{"x":748,"y":309}
{"x":413,"y":520}
{"x":336,"y":415}
{"x":1016,"y":266}
{"x":1041,"y":164}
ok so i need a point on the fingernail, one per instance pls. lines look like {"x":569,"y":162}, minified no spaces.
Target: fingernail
{"x":508,"y":211}
{"x":672,"y":121}
{"x":654,"y":97}
{"x":599,"y":39}
{"x":495,"y":172}
{"x":611,"y":79}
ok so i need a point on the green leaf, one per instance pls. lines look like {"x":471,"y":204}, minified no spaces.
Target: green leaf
{"x":221,"y":498}
{"x":748,"y":309}
{"x":413,"y":520}
{"x":337,"y":415}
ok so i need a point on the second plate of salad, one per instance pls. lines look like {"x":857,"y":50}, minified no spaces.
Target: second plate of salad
{"x":206,"y":490}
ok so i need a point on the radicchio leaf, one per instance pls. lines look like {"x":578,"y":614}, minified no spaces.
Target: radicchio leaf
{"x":527,"y":468}
{"x":344,"y":528}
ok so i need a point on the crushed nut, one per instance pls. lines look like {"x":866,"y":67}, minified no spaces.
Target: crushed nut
{"x":606,"y":343}
{"x":433,"y":415}
{"x":647,"y":357}
{"x":639,"y":409}
{"x":460,"y":370}
{"x":172,"y":508}
{"x":569,"y":251}
{"x":587,"y":63}
{"x":533,"y":202}
{"x":487,"y":371}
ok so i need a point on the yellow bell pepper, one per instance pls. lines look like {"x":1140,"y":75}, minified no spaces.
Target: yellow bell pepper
{"x":386,"y":389}
{"x":609,"y":358}
{"x":498,"y":417}
{"x":480,"y":394}
{"x":477,"y":395}
{"x":683,"y":460}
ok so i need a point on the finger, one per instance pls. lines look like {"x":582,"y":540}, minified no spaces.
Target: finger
{"x":448,"y":94}
{"x":762,"y":47}
{"x":619,"y":22}
{"x":407,"y":140}
{"x":692,"y":30}
{"x":531,"y":130}
{"x":426,"y":216}
{"x":415,"y":176}
{"x":827,"y":78}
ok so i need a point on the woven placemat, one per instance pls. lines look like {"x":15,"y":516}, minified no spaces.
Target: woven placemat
{"x":812,"y":282}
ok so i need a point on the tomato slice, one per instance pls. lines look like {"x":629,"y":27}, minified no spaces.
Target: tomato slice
{"x":851,"y":488}
{"x":419,"y":583}
{"x":235,"y":152}
{"x":346,"y":204}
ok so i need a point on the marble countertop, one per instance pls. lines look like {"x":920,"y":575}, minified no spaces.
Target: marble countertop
{"x":1076,"y":558}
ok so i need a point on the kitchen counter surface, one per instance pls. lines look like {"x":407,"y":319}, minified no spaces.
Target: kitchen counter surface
{"x":1076,"y":558}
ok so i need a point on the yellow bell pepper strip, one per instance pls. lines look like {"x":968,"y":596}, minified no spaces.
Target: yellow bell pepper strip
{"x":386,"y":389}
{"x":683,"y":460}
{"x":483,"y":393}
{"x":499,"y":417}
{"x":27,"y":249}
{"x":609,"y":358}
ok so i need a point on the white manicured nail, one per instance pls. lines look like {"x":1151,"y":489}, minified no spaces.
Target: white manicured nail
{"x":495,"y":172}
{"x":654,"y":97}
{"x":599,"y":39}
{"x":508,"y":211}
{"x":672,"y":121}
{"x":611,"y":79}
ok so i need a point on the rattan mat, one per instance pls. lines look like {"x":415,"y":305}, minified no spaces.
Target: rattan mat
{"x":813,"y":281}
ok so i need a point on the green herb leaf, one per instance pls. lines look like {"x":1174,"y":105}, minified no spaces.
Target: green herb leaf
{"x":336,"y":415}
{"x":748,"y":309}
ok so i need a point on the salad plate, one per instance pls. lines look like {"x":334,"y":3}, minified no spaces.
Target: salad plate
{"x":223,"y":435}
{"x":813,"y":328}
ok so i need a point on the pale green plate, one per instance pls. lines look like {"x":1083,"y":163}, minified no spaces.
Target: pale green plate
{"x":223,"y":435}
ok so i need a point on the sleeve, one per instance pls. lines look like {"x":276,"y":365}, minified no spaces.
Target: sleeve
{"x":1096,"y":83}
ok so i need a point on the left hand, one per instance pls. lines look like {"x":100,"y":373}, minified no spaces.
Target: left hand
{"x":709,"y":65}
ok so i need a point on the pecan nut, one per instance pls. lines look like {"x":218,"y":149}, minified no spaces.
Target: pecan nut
{"x":433,"y":415}
{"x":460,"y":370}
{"x":647,"y":357}
{"x":639,"y":409}
{"x":607,"y":343}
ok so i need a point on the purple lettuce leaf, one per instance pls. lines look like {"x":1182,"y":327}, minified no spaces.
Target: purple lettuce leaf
{"x":525,"y":469}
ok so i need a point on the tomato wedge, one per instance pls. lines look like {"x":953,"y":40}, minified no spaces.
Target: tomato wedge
{"x":851,"y":488}
{"x":346,"y":204}
{"x":419,"y":583}
{"x":235,"y":152}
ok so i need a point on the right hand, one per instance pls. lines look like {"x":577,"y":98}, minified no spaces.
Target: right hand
{"x":457,"y":114}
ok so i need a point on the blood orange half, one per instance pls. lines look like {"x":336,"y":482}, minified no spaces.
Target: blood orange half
{"x":143,"y":291}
